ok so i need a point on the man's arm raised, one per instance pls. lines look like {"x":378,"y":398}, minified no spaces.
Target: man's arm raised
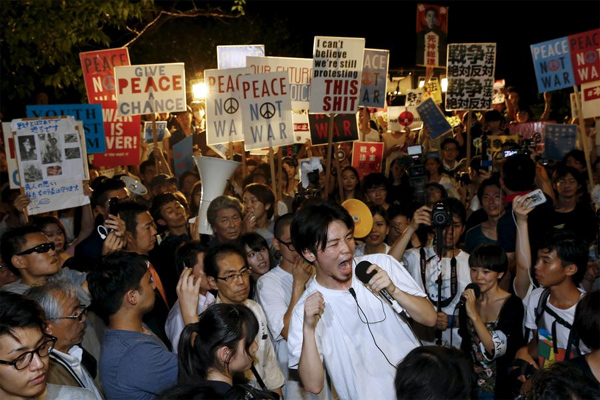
{"x":310,"y":367}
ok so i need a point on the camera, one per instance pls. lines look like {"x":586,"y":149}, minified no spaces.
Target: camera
{"x":417,"y":175}
{"x":441,"y":216}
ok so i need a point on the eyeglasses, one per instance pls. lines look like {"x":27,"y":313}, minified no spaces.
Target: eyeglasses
{"x":40,"y":248}
{"x":376,"y":190}
{"x":24,"y":359}
{"x":450,"y":149}
{"x":78,"y":316}
{"x":232,"y":277}
{"x":289,"y":245}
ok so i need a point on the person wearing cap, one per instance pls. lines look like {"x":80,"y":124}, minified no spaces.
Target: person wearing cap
{"x":163,"y":183}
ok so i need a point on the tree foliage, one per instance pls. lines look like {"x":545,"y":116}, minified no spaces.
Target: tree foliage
{"x":40,"y":40}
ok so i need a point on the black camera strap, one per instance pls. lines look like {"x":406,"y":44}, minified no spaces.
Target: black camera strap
{"x":453,"y":278}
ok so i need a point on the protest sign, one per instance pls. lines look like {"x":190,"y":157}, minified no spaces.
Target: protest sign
{"x":559,"y":139}
{"x":585,"y":56}
{"x":532,"y":131}
{"x":432,"y":89}
{"x":404,"y":116}
{"x":52,"y":162}
{"x":367,"y":157}
{"x":552,"y":64}
{"x":183,"y":159}
{"x":11,"y":156}
{"x":121,"y":133}
{"x":235,"y":56}
{"x":432,"y":30}
{"x":470,"y":76}
{"x":89,"y":114}
{"x":301,"y":128}
{"x":299,"y":70}
{"x":414,"y":97}
{"x":498,"y":93}
{"x":590,"y":105}
{"x":150,"y":88}
{"x":161,"y":130}
{"x":337,"y":67}
{"x":374,"y":78}
{"x":266,"y":110}
{"x":345,"y":128}
{"x":433,"y":117}
{"x":223,"y":114}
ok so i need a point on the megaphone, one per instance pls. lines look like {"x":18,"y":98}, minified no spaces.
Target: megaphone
{"x":134,"y":186}
{"x":361,"y":215}
{"x":214,"y":173}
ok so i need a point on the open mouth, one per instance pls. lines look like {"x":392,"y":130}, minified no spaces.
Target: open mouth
{"x":345,"y":267}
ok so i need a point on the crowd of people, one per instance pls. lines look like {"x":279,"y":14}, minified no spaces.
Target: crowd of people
{"x":466,"y":286}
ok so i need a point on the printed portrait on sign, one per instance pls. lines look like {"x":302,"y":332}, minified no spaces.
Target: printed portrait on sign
{"x":27,"y":148}
{"x":50,"y":148}
{"x":432,"y":30}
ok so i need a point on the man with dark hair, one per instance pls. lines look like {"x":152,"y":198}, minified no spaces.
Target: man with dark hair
{"x":449,"y":150}
{"x":89,"y":251}
{"x":375,"y":189}
{"x":451,"y":271}
{"x":70,"y":364}
{"x":134,"y":363}
{"x":344,"y":323}
{"x":278,"y":291}
{"x":550,"y":309}
{"x":190,"y":255}
{"x":163,"y":183}
{"x":24,"y":350}
{"x":140,"y":237}
{"x":227,"y":272}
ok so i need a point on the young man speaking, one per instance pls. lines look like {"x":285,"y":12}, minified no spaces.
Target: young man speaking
{"x":343,"y":325}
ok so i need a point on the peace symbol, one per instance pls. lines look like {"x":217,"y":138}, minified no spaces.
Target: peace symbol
{"x":591,"y":56}
{"x":553,"y":65}
{"x":267,"y":110}
{"x":231,"y":105}
{"x":367,"y":78}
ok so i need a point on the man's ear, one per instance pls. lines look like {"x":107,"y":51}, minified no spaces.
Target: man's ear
{"x":131,"y":297}
{"x":309,"y":256}
{"x":212,"y":283}
{"x":129,"y":239}
{"x":571,"y":269}
{"x":276,"y":244}
{"x":19,"y":262}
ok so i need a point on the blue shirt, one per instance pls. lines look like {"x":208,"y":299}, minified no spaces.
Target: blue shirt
{"x":134,"y":365}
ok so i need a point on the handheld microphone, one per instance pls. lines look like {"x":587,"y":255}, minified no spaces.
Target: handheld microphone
{"x":462,"y":298}
{"x":364,"y":277}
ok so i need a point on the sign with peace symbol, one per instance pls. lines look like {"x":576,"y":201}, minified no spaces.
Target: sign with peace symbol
{"x":267,"y":110}
{"x":231,"y":105}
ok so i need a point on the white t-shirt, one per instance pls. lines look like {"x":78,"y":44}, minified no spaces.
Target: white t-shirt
{"x":174,"y":325}
{"x":531,"y":302}
{"x":412,"y":262}
{"x":274,"y":292}
{"x":360,"y":250}
{"x":357,"y":368}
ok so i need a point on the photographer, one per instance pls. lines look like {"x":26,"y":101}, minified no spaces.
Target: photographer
{"x":427,"y":267}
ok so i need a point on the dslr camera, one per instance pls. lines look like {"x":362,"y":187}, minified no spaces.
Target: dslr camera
{"x":441,"y":215}
{"x":417,"y":174}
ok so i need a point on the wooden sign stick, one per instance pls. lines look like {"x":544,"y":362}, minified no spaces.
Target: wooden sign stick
{"x":584,"y":138}
{"x":329,"y":150}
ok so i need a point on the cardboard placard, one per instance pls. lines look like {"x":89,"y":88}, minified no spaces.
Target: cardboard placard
{"x":337,"y":68}
{"x":432,"y":30}
{"x":235,"y":56}
{"x":345,"y":128}
{"x":552,"y":64}
{"x":374,"y":78}
{"x":367,"y":157}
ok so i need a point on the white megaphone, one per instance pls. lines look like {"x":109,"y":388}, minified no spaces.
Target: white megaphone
{"x":214,"y":173}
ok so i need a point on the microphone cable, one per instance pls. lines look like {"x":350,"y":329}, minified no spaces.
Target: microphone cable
{"x":353,"y":293}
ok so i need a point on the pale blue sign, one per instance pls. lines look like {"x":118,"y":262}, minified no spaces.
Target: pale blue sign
{"x":235,"y":56}
{"x":374,"y":78}
{"x":559,"y":139}
{"x":433,"y":117}
{"x":552,"y":63}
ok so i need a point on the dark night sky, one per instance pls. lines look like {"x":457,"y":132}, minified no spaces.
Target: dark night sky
{"x":513,"y":25}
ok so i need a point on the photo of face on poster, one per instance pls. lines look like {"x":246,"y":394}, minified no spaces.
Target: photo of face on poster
{"x":27,"y":148}
{"x":432,"y":29}
{"x":50,"y":148}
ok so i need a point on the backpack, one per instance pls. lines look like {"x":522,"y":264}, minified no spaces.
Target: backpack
{"x":572,"y":341}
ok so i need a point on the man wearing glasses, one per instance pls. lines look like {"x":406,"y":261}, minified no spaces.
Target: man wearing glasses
{"x":227,"y":272}
{"x":24,"y":350}
{"x":449,"y":155}
{"x":65,"y":319}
